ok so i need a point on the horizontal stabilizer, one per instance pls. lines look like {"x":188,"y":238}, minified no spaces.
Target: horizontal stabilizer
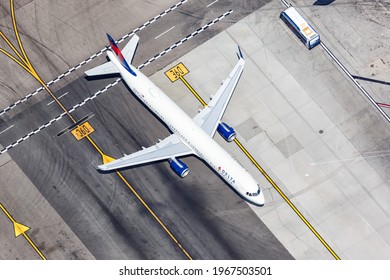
{"x":107,"y":68}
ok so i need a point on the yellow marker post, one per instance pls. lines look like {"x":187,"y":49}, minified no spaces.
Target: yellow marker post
{"x":82,"y":131}
{"x":176,"y":72}
{"x":21,"y":229}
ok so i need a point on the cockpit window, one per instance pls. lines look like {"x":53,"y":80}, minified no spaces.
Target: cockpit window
{"x":256,"y":193}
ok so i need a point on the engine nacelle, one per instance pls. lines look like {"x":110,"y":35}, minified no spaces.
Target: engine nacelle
{"x":179,"y":167}
{"x":226,"y":132}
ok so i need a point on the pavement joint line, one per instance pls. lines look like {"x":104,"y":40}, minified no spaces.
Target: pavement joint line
{"x":74,"y":68}
{"x":359,"y":86}
{"x":269,"y":179}
{"x":29,"y":68}
{"x":95,"y":145}
{"x":193,"y":34}
{"x":345,"y":70}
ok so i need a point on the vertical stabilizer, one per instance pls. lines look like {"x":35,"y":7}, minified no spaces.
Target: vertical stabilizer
{"x":130,"y":52}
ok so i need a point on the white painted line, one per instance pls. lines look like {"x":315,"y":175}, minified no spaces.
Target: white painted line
{"x":149,"y":22}
{"x":164,"y":32}
{"x":212,"y":3}
{"x":7,"y":129}
{"x":35,"y":131}
{"x":51,"y":102}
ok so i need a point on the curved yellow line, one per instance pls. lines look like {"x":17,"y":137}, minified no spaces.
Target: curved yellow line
{"x":12,"y":47}
{"x":12,"y":8}
{"x":15,"y":59}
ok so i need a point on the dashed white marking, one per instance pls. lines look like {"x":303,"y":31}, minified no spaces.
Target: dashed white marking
{"x":212,"y":3}
{"x":7,"y":129}
{"x":165,"y":32}
{"x":51,"y":102}
{"x":188,"y":37}
{"x":92,"y":57}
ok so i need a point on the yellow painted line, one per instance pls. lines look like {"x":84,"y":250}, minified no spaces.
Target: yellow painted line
{"x":30,"y":69}
{"x":12,"y":8}
{"x":155,"y":216}
{"x":276,"y":187}
{"x":12,"y":47}
{"x":176,"y":72}
{"x":14,"y":59}
{"x":269,"y":179}
{"x":193,"y":91}
{"x":21,"y":229}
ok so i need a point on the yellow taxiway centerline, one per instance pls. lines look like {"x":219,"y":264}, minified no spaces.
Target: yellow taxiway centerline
{"x":269,"y":179}
{"x":21,"y":229}
{"x":30,"y":69}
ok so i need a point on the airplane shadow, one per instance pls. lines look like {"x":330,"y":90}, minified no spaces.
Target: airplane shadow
{"x":323,"y":2}
{"x":371,"y":80}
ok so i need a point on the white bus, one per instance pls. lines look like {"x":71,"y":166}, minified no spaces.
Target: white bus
{"x":300,"y":27}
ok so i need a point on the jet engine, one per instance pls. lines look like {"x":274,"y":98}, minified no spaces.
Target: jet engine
{"x":226,"y":132}
{"x":179,"y":167}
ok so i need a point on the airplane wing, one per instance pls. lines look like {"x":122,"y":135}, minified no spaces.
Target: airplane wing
{"x":211,"y":115}
{"x":109,"y":68}
{"x":170,"y":147}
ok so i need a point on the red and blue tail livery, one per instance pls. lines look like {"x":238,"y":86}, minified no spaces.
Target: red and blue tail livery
{"x":119,"y":54}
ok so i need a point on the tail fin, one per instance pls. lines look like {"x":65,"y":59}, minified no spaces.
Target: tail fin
{"x":109,"y":68}
{"x":119,"y":54}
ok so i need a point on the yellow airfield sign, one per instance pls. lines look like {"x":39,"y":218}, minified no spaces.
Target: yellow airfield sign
{"x":176,"y":72}
{"x":82,"y":131}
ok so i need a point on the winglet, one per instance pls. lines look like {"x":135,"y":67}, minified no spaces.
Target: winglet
{"x":239,"y":54}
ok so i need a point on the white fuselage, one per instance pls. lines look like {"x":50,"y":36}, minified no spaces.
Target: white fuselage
{"x":191,"y":134}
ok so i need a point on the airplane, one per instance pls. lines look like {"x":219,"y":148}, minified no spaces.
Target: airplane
{"x":190,"y":136}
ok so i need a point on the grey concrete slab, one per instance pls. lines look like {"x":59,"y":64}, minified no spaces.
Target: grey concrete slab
{"x":332,"y":170}
{"x":379,"y":158}
{"x":272,"y":156}
{"x":373,"y":247}
{"x":27,"y":206}
{"x":249,"y":129}
{"x":288,"y":146}
{"x":338,"y":176}
{"x":103,"y":214}
{"x":347,"y":228}
{"x":384,"y":232}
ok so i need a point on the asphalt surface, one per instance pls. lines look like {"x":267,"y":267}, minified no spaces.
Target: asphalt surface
{"x":208,"y":219}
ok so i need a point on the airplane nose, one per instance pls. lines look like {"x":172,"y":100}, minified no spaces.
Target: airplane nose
{"x":259,"y":200}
